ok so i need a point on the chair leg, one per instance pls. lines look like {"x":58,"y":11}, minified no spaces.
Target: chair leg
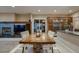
{"x":23,"y":50}
{"x":26,"y":48}
{"x":52,"y":49}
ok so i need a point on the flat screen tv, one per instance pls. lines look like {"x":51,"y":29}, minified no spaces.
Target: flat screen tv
{"x":19,"y":28}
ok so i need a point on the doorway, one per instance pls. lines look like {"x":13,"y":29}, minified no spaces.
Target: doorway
{"x":39,"y":25}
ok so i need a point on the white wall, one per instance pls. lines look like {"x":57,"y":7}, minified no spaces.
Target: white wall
{"x":7,"y":17}
{"x":75,"y":14}
{"x":39,"y":16}
{"x":22,"y":17}
{"x":76,"y":20}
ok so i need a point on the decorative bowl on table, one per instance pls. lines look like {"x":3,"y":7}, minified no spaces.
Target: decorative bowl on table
{"x":38,"y":34}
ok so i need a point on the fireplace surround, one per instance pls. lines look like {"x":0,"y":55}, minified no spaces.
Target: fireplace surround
{"x":6,"y":31}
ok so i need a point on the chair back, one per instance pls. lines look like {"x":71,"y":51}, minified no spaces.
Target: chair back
{"x":25,"y":34}
{"x":51,"y":34}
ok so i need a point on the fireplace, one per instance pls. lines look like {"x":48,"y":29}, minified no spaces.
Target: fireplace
{"x":6,"y":31}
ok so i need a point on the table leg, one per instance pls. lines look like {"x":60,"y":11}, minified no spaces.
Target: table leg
{"x":37,"y":48}
{"x":23,"y":50}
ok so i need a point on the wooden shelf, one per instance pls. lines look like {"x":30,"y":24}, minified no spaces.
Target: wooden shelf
{"x":65,"y":20}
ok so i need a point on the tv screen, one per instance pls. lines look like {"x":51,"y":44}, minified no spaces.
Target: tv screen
{"x":19,"y":28}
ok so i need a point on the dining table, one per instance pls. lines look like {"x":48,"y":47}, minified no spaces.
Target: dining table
{"x":37,"y":41}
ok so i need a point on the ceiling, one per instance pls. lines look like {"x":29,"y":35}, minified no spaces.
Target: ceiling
{"x":39,"y":9}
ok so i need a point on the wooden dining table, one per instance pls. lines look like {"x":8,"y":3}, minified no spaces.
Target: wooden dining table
{"x":35,"y":40}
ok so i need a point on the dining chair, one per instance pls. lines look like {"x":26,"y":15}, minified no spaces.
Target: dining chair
{"x":48,"y":48}
{"x":51,"y":34}
{"x":25,"y":34}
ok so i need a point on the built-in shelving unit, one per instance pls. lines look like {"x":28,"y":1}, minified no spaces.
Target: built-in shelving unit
{"x":59,"y":23}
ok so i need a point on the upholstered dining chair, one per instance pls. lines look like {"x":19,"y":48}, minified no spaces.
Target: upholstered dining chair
{"x":51,"y":34}
{"x":25,"y":34}
{"x":48,"y":48}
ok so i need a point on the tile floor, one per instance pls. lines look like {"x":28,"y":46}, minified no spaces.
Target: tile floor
{"x":59,"y":47}
{"x":7,"y":44}
{"x":62,"y":46}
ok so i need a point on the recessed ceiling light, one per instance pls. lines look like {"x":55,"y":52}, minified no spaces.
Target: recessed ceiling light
{"x":70,"y":11}
{"x":38,"y":10}
{"x":55,"y":10}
